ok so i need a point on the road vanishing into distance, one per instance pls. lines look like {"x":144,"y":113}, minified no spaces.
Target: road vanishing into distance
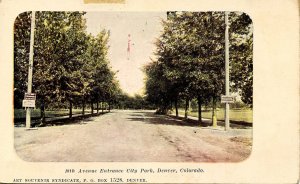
{"x":132,"y":136}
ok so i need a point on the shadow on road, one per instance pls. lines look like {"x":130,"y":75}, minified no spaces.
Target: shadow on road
{"x":59,"y":121}
{"x":152,"y":118}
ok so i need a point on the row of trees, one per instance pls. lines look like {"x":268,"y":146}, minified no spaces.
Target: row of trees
{"x":70,"y":66}
{"x":190,"y":60}
{"x":125,"y":101}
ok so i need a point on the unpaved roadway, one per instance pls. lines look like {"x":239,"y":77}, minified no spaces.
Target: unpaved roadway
{"x":132,"y":136}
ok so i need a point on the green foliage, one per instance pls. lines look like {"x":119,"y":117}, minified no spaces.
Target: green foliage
{"x":191,"y":58}
{"x":241,"y":55}
{"x":59,"y":45}
{"x":124,"y":101}
{"x":157,"y":85}
{"x":21,"y":56}
{"x":69,"y":65}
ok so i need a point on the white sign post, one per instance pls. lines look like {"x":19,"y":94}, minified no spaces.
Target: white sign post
{"x":29,"y":87}
{"x":227,"y":125}
{"x":30,"y":96}
{"x":227,"y":99}
{"x":28,"y":103}
{"x":29,"y":100}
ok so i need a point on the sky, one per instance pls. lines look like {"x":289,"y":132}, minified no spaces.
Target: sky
{"x":143,"y":28}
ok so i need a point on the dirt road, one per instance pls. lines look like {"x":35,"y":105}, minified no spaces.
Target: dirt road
{"x":132,"y":136}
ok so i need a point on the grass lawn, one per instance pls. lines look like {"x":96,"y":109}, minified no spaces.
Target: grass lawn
{"x":234,"y":114}
{"x":21,"y":113}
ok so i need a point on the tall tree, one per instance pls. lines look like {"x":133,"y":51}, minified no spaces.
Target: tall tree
{"x":60,"y":43}
{"x":157,"y":87}
{"x":69,"y":65}
{"x":21,"y":56}
{"x":191,"y":58}
{"x":192,"y":52}
{"x":241,"y":55}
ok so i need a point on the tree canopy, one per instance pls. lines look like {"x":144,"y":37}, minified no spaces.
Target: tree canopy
{"x":190,"y":58}
{"x":69,"y":64}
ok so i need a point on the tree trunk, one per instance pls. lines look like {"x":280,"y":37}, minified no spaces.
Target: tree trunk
{"x":186,"y":108}
{"x":213,"y":108}
{"x":108,"y":106}
{"x":176,"y":107}
{"x":83,"y":106}
{"x":199,"y":109}
{"x":102,"y":107}
{"x":92,"y":108}
{"x":42,"y":112}
{"x":70,"y":109}
{"x":97,"y":107}
{"x":214,"y":118}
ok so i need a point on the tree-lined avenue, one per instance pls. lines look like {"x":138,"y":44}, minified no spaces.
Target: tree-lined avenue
{"x":133,"y":135}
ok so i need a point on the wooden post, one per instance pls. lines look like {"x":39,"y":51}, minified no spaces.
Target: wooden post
{"x":227,"y":125}
{"x":30,"y":68}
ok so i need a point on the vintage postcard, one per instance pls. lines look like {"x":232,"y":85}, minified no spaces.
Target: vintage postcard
{"x":129,"y":91}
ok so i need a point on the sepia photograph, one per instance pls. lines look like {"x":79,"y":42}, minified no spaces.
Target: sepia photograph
{"x":101,"y":86}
